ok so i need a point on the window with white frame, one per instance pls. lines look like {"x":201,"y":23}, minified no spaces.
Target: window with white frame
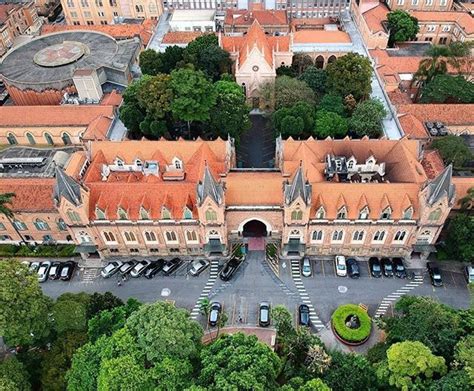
{"x":399,"y":236}
{"x":337,"y":236}
{"x":129,"y":237}
{"x":358,"y":236}
{"x":122,"y":214}
{"x":211,"y":215}
{"x":109,"y":237}
{"x":430,"y":28}
{"x":150,"y":236}
{"x":61,"y":225}
{"x":320,"y":214}
{"x":191,"y":236}
{"x":342,"y":214}
{"x":386,"y":214}
{"x":187,"y":214}
{"x":414,"y":2}
{"x":429,"y":2}
{"x":178,"y":164}
{"x":99,"y":214}
{"x":84,"y":237}
{"x":443,"y":3}
{"x":446,"y":28}
{"x":400,"y":2}
{"x":297,"y":214}
{"x":379,"y":236}
{"x":317,"y":236}
{"x":171,"y":237}
{"x":364,"y":213}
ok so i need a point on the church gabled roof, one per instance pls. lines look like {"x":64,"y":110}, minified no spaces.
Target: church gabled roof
{"x":298,"y":188}
{"x":441,"y":186}
{"x":67,"y":187}
{"x":256,"y":38}
{"x":208,"y":187}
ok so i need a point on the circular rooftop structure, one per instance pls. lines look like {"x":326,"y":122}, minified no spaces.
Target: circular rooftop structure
{"x":60,"y":54}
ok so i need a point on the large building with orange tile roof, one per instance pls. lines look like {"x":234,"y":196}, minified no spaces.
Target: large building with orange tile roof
{"x":420,"y":5}
{"x":272,"y":21}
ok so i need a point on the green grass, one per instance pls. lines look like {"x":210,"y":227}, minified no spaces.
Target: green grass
{"x":339,"y":323}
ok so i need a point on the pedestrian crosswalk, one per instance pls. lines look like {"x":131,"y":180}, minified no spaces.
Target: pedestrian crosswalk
{"x":296,"y":275}
{"x":89,"y":274}
{"x":390,"y":299}
{"x":214,"y":270}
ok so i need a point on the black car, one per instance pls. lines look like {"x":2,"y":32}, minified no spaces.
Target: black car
{"x":214,"y":313}
{"x":435,"y":274}
{"x":399,"y":267}
{"x":170,"y":266}
{"x":375,"y":267}
{"x":67,"y":270}
{"x":387,"y":267}
{"x":54,"y":271}
{"x":264,"y":314}
{"x":154,"y":268}
{"x":303,"y":315}
{"x":353,"y":268}
{"x":229,"y":269}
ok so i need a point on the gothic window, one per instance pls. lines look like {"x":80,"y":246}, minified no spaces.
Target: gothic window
{"x":358,"y":236}
{"x":19,"y":225}
{"x":211,"y":215}
{"x":399,"y":236}
{"x":122,"y":214}
{"x":188,"y":214}
{"x":12,"y":139}
{"x":379,"y":236}
{"x":364,"y":214}
{"x":109,"y":236}
{"x":99,"y":214}
{"x":61,"y":225}
{"x":435,"y":215}
{"x":337,"y":236}
{"x":317,"y":236}
{"x":320,"y":214}
{"x":49,"y":139}
{"x":297,"y":214}
{"x":144,"y":215}
{"x":41,"y":225}
{"x":178,"y":164}
{"x":191,"y":236}
{"x":295,"y":232}
{"x":342,"y":214}
{"x":165,"y":214}
{"x":66,"y":139}
{"x":171,"y":236}
{"x":30,"y":138}
{"x":129,"y":236}
{"x":74,"y":216}
{"x":150,"y":236}
{"x":408,"y":213}
{"x":386,"y":214}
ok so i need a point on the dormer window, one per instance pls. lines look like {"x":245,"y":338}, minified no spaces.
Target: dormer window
{"x":99,"y":214}
{"x":297,"y":214}
{"x":138,"y":163}
{"x":178,"y":164}
{"x":188,"y":214}
{"x":386,"y":214}
{"x":364,"y":214}
{"x":165,"y":214}
{"x":350,"y":164}
{"x":122,"y":214}
{"x":342,"y":214}
{"x":144,"y":215}
{"x":119,"y":162}
{"x":320,"y":214}
{"x":408,"y":213}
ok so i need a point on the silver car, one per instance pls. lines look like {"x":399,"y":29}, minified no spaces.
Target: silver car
{"x":198,"y":266}
{"x":111,"y":269}
{"x":306,"y":267}
{"x":139,"y":268}
{"x":43,"y":271}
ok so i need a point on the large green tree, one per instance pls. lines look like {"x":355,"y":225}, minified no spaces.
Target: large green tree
{"x":301,"y":62}
{"x":464,"y":356}
{"x":238,"y":362}
{"x":453,"y":150}
{"x":457,"y":380}
{"x":70,"y":312}
{"x":367,"y":118}
{"x":350,"y":74}
{"x":410,"y":364}
{"x":301,"y":121}
{"x":460,"y":238}
{"x":448,"y":89}
{"x":330,"y":124}
{"x":102,"y":301}
{"x":123,"y":373}
{"x":13,"y":375}
{"x":153,"y":63}
{"x":131,"y":113}
{"x":316,"y":79}
{"x":402,"y":26}
{"x":333,"y":103}
{"x":24,"y":308}
{"x":288,"y":91}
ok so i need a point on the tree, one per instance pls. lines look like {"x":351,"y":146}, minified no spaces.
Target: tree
{"x":314,"y":385}
{"x":103,"y":302}
{"x":453,"y":150}
{"x":317,"y":361}
{"x":435,"y":64}
{"x":14,"y":375}
{"x":448,"y":89}
{"x":85,"y":367}
{"x":332,"y":103}
{"x":150,"y":62}
{"x":410,"y":363}
{"x":171,"y":58}
{"x":282,"y":321}
{"x":367,"y":118}
{"x":330,"y":124}
{"x":23,"y":306}
{"x":289,"y":90}
{"x":301,"y":62}
{"x":301,"y":110}
{"x":194,"y":95}
{"x":452,"y":381}
{"x":161,"y":330}
{"x":131,"y":113}
{"x":464,"y":356}
{"x":403,"y":27}
{"x":123,"y":373}
{"x":285,"y":70}
{"x":460,"y":238}
{"x":350,"y":74}
{"x":316,"y":79}
{"x":292,"y":126}
{"x":70,"y":312}
{"x":172,"y":375}
{"x":238,"y":362}
{"x":156,"y":95}
{"x":467,"y":202}
{"x":230,"y":114}
{"x":363,"y":376}
{"x":7,"y":199}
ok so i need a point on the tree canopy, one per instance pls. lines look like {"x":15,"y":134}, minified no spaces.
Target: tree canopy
{"x":448,"y":89}
{"x":289,"y":90}
{"x":316,"y":79}
{"x":13,"y":375}
{"x":295,"y":121}
{"x":459,"y":242}
{"x":330,"y":124}
{"x":453,"y":150}
{"x":367,"y":118}
{"x":402,"y":26}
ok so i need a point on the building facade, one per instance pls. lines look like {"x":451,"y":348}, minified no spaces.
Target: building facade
{"x":102,"y":12}
{"x":420,"y":5}
{"x":442,"y":28}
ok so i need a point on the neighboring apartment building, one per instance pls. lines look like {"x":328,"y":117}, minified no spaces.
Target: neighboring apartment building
{"x":196,"y":20}
{"x":93,"y":12}
{"x":325,"y":197}
{"x":442,"y":28}
{"x":15,"y":20}
{"x":420,"y":5}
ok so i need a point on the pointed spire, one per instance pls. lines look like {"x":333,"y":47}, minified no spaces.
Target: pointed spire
{"x":441,"y":186}
{"x":298,"y":188}
{"x":66,"y":187}
{"x":208,"y":187}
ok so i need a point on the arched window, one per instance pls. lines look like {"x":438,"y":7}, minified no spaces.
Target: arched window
{"x":109,"y":236}
{"x":213,"y":233}
{"x":150,"y":236}
{"x":191,"y":236}
{"x":139,"y":8}
{"x":12,"y":139}
{"x":297,"y":214}
{"x":99,"y":3}
{"x":188,"y":214}
{"x":295,"y":233}
{"x":399,"y":236}
{"x":31,"y":138}
{"x":319,"y":62}
{"x":408,"y":213}
{"x":66,"y":139}
{"x":129,"y":236}
{"x":165,"y":214}
{"x":364,"y":214}
{"x":99,"y":214}
{"x":342,"y":214}
{"x":211,"y":215}
{"x":337,"y":236}
{"x":358,"y":236}
{"x":331,"y":59}
{"x":61,"y":225}
{"x":41,"y":225}
{"x":19,"y":225}
{"x":435,"y":215}
{"x":317,"y":236}
{"x":171,"y":236}
{"x":122,"y":214}
{"x":320,"y":214}
{"x":144,"y":215}
{"x":379,"y":236}
{"x":49,"y":139}
{"x":74,"y":216}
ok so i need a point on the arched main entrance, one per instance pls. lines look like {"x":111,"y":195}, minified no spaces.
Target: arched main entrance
{"x":254,"y":229}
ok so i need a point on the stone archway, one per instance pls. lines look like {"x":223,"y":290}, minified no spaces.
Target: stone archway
{"x":254,"y":229}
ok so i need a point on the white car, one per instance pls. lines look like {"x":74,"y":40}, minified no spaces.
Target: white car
{"x":306,"y":267}
{"x":198,"y":266}
{"x":139,"y":268}
{"x":341,"y":267}
{"x":43,"y":271}
{"x":469,"y":274}
{"x":111,"y":269}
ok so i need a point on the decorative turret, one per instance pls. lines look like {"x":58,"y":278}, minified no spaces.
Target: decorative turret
{"x":208,"y":187}
{"x":441,"y":187}
{"x":67,"y":187}
{"x":298,"y":188}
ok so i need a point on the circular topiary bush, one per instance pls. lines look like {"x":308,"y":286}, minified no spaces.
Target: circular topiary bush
{"x":351,"y":323}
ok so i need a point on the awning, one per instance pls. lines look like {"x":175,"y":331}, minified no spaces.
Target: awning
{"x":214,"y":246}
{"x":85,"y":248}
{"x":294,"y":246}
{"x":424,"y":248}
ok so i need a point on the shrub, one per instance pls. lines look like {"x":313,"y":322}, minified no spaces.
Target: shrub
{"x":340,"y":316}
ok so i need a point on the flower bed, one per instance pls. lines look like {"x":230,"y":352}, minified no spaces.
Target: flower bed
{"x":361,"y":329}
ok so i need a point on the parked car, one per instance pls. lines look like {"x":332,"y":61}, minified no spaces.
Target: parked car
{"x":154,"y":268}
{"x":387,"y":267}
{"x":399,"y":267}
{"x":43,"y":271}
{"x":171,"y":266}
{"x":198,"y":266}
{"x":435,"y":274}
{"x":353,"y":268}
{"x":469,"y":274}
{"x":111,"y":268}
{"x":375,"y":267}
{"x":139,"y":268}
{"x":54,"y":271}
{"x":341,"y":267}
{"x":264,"y":314}
{"x":214,"y":313}
{"x":303,"y":315}
{"x":306,"y":267}
{"x":127,"y":267}
{"x":34,"y":266}
{"x":67,"y":270}
{"x":229,"y":269}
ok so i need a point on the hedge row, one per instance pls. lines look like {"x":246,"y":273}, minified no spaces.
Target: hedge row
{"x":339,"y":323}
{"x":54,"y":251}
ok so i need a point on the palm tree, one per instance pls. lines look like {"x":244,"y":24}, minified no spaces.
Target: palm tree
{"x":435,"y":64}
{"x":6,"y":198}
{"x":467,"y":202}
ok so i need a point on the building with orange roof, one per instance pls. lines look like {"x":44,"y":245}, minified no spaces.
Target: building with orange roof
{"x":272,"y":21}
{"x":430,"y":5}
{"x":369,"y":16}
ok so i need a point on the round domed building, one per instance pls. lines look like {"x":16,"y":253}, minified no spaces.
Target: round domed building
{"x":42,"y":70}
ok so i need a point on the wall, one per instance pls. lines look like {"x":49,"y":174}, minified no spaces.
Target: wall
{"x":420,"y":5}
{"x":39,"y":132}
